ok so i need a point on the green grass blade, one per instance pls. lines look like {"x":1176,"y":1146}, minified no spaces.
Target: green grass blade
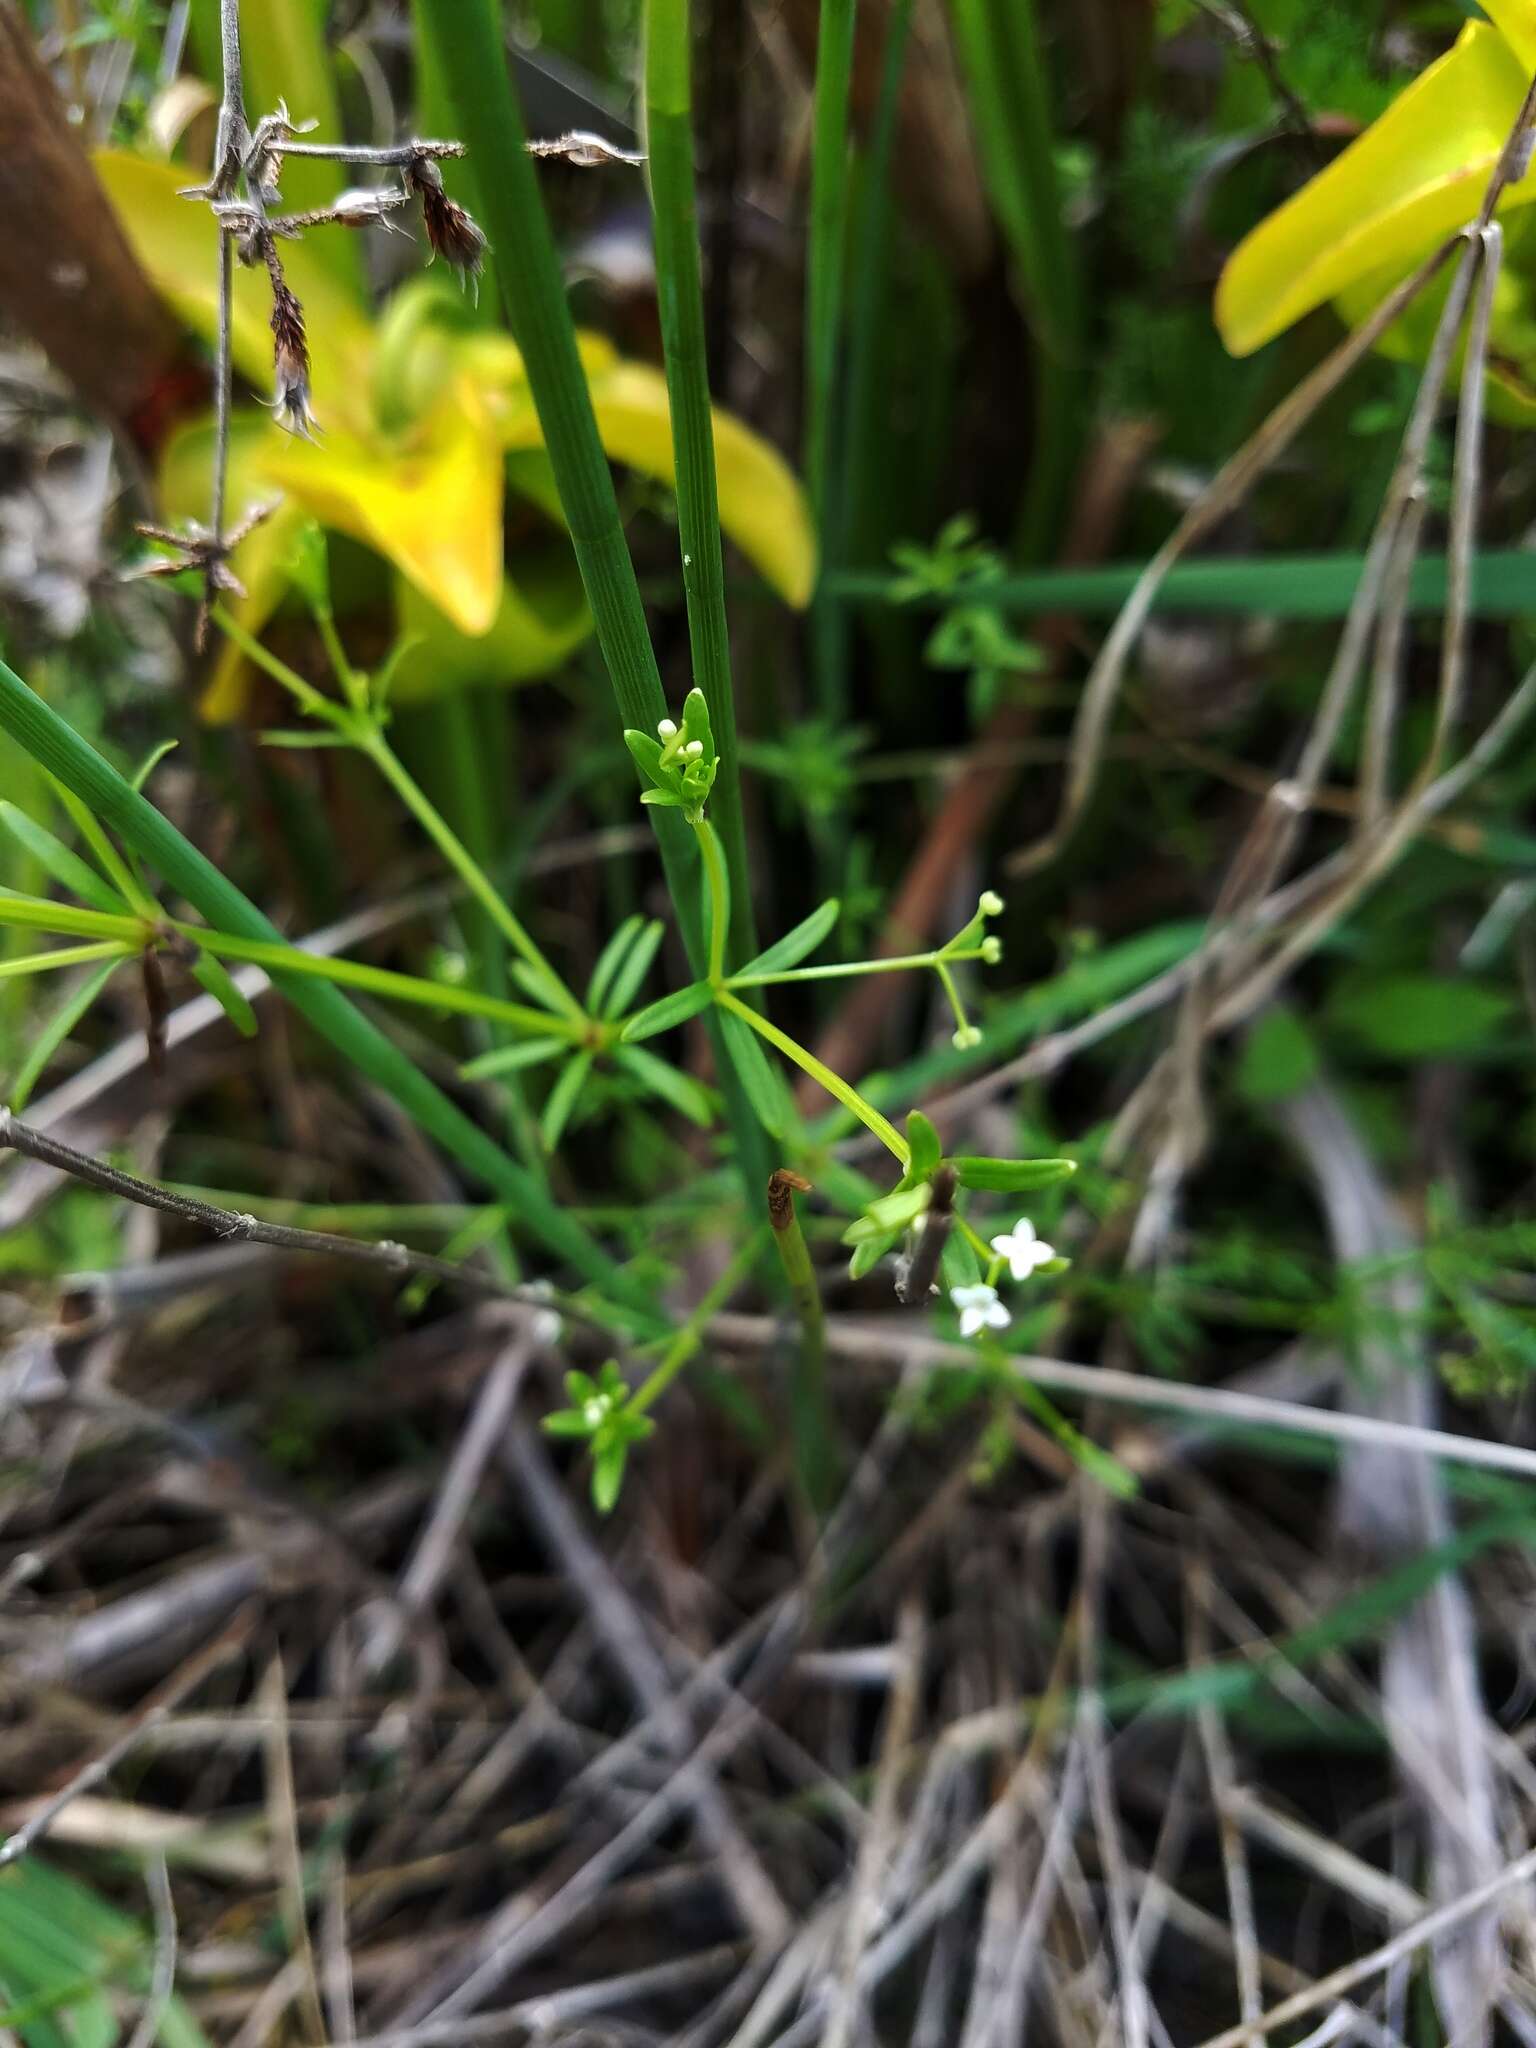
{"x":826,"y":253}
{"x":45,"y":736}
{"x":1000,"y":48}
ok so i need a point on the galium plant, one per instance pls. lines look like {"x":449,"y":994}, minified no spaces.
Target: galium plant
{"x":114,"y":915}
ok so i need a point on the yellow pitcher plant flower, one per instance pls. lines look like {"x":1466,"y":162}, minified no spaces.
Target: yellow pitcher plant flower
{"x":428,"y":444}
{"x":1414,"y":177}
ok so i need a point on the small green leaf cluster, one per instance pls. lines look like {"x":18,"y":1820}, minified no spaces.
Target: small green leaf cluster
{"x":681,"y":762}
{"x":884,"y":1222}
{"x":600,"y":1414}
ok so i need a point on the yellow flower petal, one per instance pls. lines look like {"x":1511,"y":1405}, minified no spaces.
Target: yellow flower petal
{"x":1416,"y":175}
{"x":430,"y":502}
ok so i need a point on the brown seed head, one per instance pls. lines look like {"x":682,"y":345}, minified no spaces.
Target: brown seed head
{"x":290,"y":362}
{"x":452,"y":233}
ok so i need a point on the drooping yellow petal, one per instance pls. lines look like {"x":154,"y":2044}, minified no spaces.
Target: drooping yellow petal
{"x":1416,"y":175}
{"x":177,"y":243}
{"x":430,"y":501}
{"x":261,"y":559}
{"x":541,"y":620}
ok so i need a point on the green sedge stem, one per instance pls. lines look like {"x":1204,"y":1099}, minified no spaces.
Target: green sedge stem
{"x":899,"y":963}
{"x":719,"y":898}
{"x":691,"y":1335}
{"x":819,"y":1071}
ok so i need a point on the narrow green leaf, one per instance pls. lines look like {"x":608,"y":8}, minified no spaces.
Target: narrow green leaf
{"x":869,"y":1254}
{"x":796,"y":944}
{"x":209,"y":975}
{"x":608,"y":962}
{"x":895,"y":1211}
{"x":608,"y":1476}
{"x":562,"y":1100}
{"x":57,"y":1029}
{"x":637,"y":965}
{"x":676,"y":1008}
{"x":57,"y":860}
{"x":152,"y":761}
{"x":511,"y":1059}
{"x":1012,"y":1176}
{"x":764,"y":1090}
{"x":927,"y":1150}
{"x":681,"y":1090}
{"x":119,"y":872}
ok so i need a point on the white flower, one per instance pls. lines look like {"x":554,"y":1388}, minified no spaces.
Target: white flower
{"x":990,"y":904}
{"x":979,"y":1309}
{"x":694,"y":749}
{"x":667,"y":730}
{"x":1023,"y":1250}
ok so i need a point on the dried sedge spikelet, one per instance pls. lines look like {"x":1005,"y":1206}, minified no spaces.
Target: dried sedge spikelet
{"x":290,"y":362}
{"x":450,"y":230}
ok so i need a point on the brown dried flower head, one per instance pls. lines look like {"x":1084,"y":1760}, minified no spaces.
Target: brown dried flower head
{"x":290,"y":363}
{"x":452,"y":233}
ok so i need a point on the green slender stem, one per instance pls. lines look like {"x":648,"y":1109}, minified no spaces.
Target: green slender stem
{"x":45,"y":736}
{"x":362,"y":730}
{"x":812,"y":1422}
{"x":463,"y":45}
{"x":820,"y":1072}
{"x":385,"y":982}
{"x":719,"y":898}
{"x":837,"y":970}
{"x":132,"y":934}
{"x":669,"y":144}
{"x":464,"y":864}
{"x":688,"y":1339}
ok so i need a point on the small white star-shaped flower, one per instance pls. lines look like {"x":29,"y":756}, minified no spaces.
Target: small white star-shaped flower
{"x":1023,"y":1250}
{"x":979,"y":1309}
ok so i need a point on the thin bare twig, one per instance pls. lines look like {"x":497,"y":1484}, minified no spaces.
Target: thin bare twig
{"x":382,"y":1254}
